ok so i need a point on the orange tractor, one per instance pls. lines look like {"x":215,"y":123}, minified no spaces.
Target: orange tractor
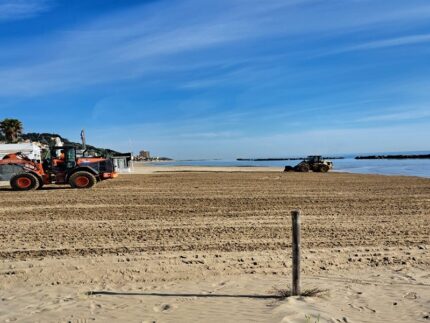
{"x":62,"y":166}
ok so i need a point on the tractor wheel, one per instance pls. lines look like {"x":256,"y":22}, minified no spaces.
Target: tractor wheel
{"x":289,"y":169}
{"x":82,"y":180}
{"x":304,"y":168}
{"x":40,"y":180}
{"x":323,"y":168}
{"x":24,"y":182}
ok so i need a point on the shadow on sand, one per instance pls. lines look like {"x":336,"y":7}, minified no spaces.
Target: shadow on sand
{"x":184,"y":295}
{"x":47,"y":188}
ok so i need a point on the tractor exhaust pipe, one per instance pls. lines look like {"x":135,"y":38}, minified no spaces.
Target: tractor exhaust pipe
{"x":84,"y":143}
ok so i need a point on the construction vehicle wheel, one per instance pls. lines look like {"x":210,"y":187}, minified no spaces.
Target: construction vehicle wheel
{"x":82,"y":180}
{"x":24,"y":182}
{"x":323,"y":168}
{"x":304,"y":168}
{"x":40,"y":180}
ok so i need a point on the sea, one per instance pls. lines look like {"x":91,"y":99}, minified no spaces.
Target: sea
{"x":406,"y":167}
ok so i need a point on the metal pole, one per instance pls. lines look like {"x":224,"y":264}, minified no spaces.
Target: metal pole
{"x":84,"y":141}
{"x":295,"y":216}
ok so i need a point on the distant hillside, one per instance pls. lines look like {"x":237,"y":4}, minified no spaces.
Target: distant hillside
{"x":47,"y":139}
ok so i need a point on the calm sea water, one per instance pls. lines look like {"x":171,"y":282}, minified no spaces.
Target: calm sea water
{"x":409,"y":167}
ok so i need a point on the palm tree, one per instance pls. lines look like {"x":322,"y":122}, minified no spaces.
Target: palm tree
{"x":11,"y":129}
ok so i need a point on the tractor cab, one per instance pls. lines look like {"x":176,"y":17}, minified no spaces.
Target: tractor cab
{"x":62,"y":158}
{"x":314,"y":159}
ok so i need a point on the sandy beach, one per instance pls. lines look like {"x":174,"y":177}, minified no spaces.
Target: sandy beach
{"x":153,"y":168}
{"x":210,"y":245}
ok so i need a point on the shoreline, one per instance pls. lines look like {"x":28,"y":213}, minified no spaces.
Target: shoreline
{"x":153,"y":169}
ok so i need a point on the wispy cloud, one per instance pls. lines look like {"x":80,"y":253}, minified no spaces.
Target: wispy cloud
{"x":165,"y":38}
{"x":21,"y":9}
{"x":409,"y":114}
{"x":384,"y":43}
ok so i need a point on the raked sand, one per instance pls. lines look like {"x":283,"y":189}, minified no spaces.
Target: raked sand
{"x":197,"y":246}
{"x":153,"y":168}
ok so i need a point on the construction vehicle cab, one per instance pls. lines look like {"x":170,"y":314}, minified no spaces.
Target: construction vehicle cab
{"x":314,"y":159}
{"x":62,"y":157}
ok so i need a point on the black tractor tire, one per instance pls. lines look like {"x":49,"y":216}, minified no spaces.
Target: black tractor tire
{"x":323,"y":168}
{"x":40,"y":183}
{"x":289,"y":169}
{"x":82,"y":179}
{"x":24,"y":182}
{"x":303,"y":168}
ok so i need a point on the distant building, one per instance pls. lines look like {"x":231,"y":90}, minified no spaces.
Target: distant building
{"x":31,"y":150}
{"x":144,"y":154}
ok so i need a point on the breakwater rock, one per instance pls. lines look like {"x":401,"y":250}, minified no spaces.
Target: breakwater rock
{"x":424,"y":156}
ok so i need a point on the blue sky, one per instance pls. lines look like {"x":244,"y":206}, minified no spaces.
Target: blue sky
{"x":221,"y":79}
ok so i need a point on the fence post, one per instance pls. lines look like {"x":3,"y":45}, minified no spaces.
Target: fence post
{"x":295,"y":216}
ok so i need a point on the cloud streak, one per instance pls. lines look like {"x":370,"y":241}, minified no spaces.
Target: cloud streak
{"x":162,"y":37}
{"x":22,"y":9}
{"x":410,"y":114}
{"x":385,"y":43}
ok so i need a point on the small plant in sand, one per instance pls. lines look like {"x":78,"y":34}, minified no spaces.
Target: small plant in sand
{"x":309,"y":317}
{"x":312,"y":292}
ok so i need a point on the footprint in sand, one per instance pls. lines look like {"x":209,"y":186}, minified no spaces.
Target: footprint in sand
{"x":411,"y":295}
{"x":186,"y":299}
{"x":164,"y":308}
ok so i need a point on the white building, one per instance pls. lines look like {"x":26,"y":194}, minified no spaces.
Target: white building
{"x":123,"y":163}
{"x":30,"y":150}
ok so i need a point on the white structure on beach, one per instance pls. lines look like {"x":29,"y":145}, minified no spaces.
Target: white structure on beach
{"x":30,"y":150}
{"x":123,"y":163}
